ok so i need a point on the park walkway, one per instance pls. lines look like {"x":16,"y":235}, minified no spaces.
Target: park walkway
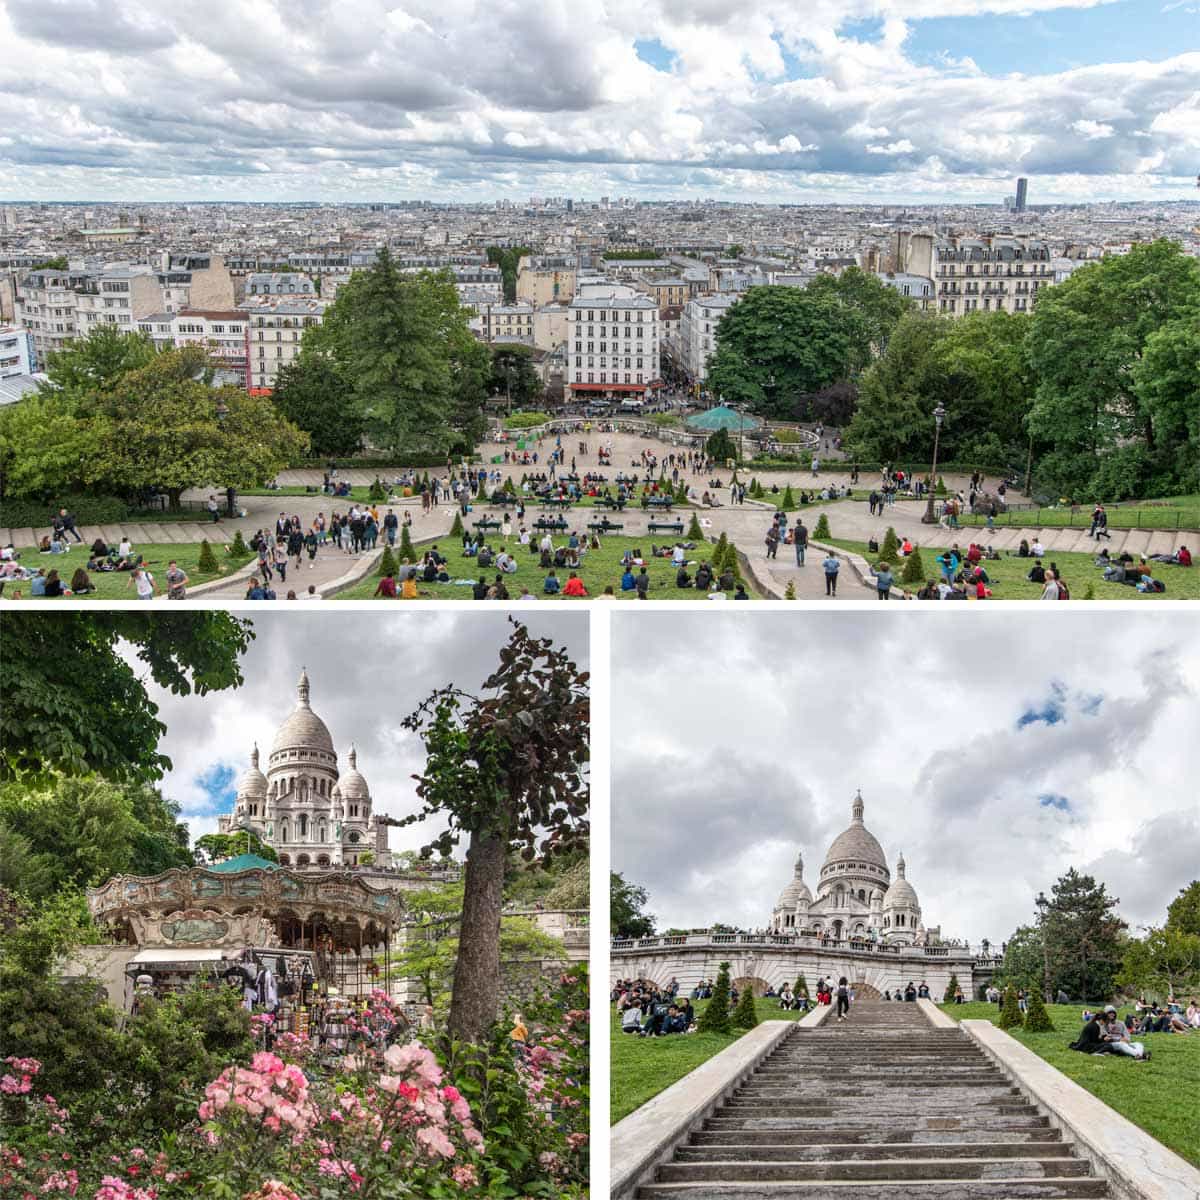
{"x":880,"y":1107}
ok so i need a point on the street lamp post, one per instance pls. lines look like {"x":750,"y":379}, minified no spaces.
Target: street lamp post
{"x":1043,"y":906}
{"x":939,"y":415}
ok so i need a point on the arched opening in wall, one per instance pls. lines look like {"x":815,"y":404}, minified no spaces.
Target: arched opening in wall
{"x":760,"y":986}
{"x":285,"y":860}
{"x":836,"y":929}
{"x":322,"y":860}
{"x":302,"y":860}
{"x":864,"y":991}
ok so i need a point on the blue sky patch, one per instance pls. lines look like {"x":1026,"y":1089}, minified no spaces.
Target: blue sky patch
{"x":1051,"y":800}
{"x":1053,"y":710}
{"x":652,"y":51}
{"x":1090,"y":705}
{"x":220,"y":786}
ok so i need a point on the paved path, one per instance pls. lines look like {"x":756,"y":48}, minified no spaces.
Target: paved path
{"x":879,"y":1107}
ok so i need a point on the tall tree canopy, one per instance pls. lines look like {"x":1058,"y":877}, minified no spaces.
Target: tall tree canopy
{"x":777,"y":344}
{"x":880,"y":306}
{"x":507,"y":768}
{"x":74,"y":704}
{"x":402,"y":345}
{"x":313,"y":395}
{"x":1115,"y":426}
{"x":1083,"y":936}
{"x":91,"y":364}
{"x":627,"y":908}
{"x":514,"y":376}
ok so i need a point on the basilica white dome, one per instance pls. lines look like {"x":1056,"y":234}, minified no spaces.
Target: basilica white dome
{"x":303,"y":730}
{"x":857,"y":844}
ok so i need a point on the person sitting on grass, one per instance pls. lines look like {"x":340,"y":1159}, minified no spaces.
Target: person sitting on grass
{"x":741,"y":593}
{"x":54,"y":585}
{"x":37,"y":583}
{"x":1116,"y":1035}
{"x":631,"y":1020}
{"x":386,"y":587}
{"x":574,"y":586}
{"x":505,"y":563}
{"x":1181,"y":558}
{"x":682,"y":578}
{"x":704,"y":577}
{"x":1036,"y":573}
{"x":628,"y":583}
{"x":551,"y":585}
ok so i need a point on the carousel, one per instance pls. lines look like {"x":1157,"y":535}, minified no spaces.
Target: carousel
{"x":321,"y":934}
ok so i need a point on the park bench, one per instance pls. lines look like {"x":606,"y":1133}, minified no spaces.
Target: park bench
{"x":504,"y":498}
{"x":663,"y":502}
{"x":605,"y":526}
{"x":555,"y":502}
{"x":665,"y":527}
{"x":547,"y":523}
{"x":609,"y":503}
{"x":483,"y":524}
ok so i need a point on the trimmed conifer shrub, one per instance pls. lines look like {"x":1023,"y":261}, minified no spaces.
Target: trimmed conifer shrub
{"x":941,"y":486}
{"x":238,"y":547}
{"x":1037,"y":1019}
{"x":387,"y":563}
{"x":889,"y":552}
{"x":681,"y":493}
{"x":801,"y":988}
{"x":914,"y":569}
{"x":718,"y":557}
{"x":456,"y":530}
{"x":715,"y":1018}
{"x":377,"y":492}
{"x":406,"y":546}
{"x":789,"y":592}
{"x":789,"y":500}
{"x":1090,"y":594}
{"x":951,"y":988}
{"x":744,"y":1015}
{"x":821,"y":532}
{"x":694,"y":532}
{"x":207,"y":562}
{"x":509,"y":486}
{"x":1010,"y":1012}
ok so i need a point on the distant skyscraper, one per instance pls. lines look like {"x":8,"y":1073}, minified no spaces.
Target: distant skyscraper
{"x":1022,"y":186}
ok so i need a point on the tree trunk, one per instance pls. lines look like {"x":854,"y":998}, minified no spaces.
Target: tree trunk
{"x":174,"y":502}
{"x":476,"y":994}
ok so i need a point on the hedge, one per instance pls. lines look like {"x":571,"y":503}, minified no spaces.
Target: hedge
{"x":527,"y":420}
{"x":88,"y":510}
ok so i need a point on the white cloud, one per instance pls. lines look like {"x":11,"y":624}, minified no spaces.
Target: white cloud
{"x":903,"y":146}
{"x":1093,"y":129}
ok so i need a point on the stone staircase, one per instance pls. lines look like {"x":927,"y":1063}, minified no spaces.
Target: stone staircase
{"x":880,"y":1107}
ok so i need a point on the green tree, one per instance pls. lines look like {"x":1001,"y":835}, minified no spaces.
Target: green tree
{"x":573,"y":887}
{"x":57,"y":263}
{"x":313,"y":394}
{"x":890,"y":550}
{"x":1183,"y":913}
{"x":160,"y":427}
{"x":97,"y":362}
{"x":695,"y":532}
{"x":513,"y":376}
{"x":720,"y":447}
{"x":1166,"y":961}
{"x":789,"y":500}
{"x":801,"y":988}
{"x":507,"y":769}
{"x":217,"y":847}
{"x":456,"y":529}
{"x":1037,"y":1019}
{"x":879,"y":306}
{"x":951,"y":989}
{"x":408,"y":552}
{"x":1094,"y":399}
{"x":627,"y":909}
{"x":1010,"y":1012}
{"x":44,"y":446}
{"x":238,"y":548}
{"x":508,"y":259}
{"x":716,"y":1016}
{"x":63,"y":676}
{"x":821,"y":531}
{"x":1167,"y":385}
{"x":387,"y":563}
{"x":914,"y":569}
{"x":207,"y":561}
{"x":778,"y":343}
{"x":744,"y":1014}
{"x":1023,"y":966}
{"x":1083,"y":936}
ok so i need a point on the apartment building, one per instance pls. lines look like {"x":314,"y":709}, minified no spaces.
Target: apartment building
{"x":17,"y":355}
{"x":274,"y":327}
{"x":916,"y":287}
{"x":668,"y":292}
{"x":612,"y":343}
{"x":550,"y":327}
{"x":508,"y":323}
{"x":698,"y":332}
{"x":279,"y":283}
{"x":545,"y":279}
{"x":223,"y":331}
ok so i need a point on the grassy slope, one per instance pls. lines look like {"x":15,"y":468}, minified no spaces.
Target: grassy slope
{"x":1172,"y":512}
{"x":1158,"y":1096}
{"x":643,"y":1067}
{"x":114,"y":585}
{"x":1009,"y":582}
{"x":600,"y":567}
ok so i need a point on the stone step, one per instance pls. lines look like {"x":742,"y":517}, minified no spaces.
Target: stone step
{"x":912,"y":1189}
{"x":879,"y":1071}
{"x":875,"y":1169}
{"x":830,"y":1104}
{"x":916,"y":1122}
{"x":840,"y":1152}
{"x":1037,"y":1131}
{"x":918,"y":1090}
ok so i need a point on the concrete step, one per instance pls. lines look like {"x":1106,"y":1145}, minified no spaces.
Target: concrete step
{"x":916,"y":1122}
{"x":877,"y":1169}
{"x":1037,"y":1130}
{"x":840,"y":1152}
{"x":912,"y":1189}
{"x":883,"y":1071}
{"x":831,"y":1103}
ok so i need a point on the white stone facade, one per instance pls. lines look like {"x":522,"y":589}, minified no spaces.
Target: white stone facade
{"x":612,"y":343}
{"x":698,"y":332}
{"x":276,"y":325}
{"x":222,"y":332}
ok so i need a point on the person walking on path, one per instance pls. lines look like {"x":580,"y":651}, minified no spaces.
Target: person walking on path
{"x":843,"y":999}
{"x":883,"y":579}
{"x":177,"y":581}
{"x":800,"y":541}
{"x":831,"y":565}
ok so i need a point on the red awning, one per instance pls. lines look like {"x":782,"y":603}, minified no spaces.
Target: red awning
{"x":260,"y":391}
{"x":609,"y":387}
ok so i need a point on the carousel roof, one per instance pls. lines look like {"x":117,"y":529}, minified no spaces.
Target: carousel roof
{"x":723,"y":417}
{"x":244,"y":862}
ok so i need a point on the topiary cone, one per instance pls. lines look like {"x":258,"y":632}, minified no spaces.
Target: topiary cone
{"x":889,"y":552}
{"x":1010,"y":1011}
{"x":387,"y":563}
{"x":207,"y":562}
{"x":914,"y":569}
{"x":1037,"y":1019}
{"x":715,"y":1018}
{"x":744,"y":1015}
{"x":821,"y":532}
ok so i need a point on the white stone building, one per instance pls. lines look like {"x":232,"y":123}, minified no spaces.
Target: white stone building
{"x":311,"y":812}
{"x":17,"y":355}
{"x":612,"y":343}
{"x":275,"y":326}
{"x":698,"y":332}
{"x":222,"y":331}
{"x":508,"y":323}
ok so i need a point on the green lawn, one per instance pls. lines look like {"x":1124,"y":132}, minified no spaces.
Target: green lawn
{"x":361,"y":493}
{"x":600,"y":568}
{"x":643,"y":1067}
{"x":1172,"y":512}
{"x":115,"y":585}
{"x":1158,"y":1096}
{"x":1009,"y":583}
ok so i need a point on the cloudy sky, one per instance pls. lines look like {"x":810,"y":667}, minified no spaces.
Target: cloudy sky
{"x":367,"y":672}
{"x":995,"y":755}
{"x":772,"y":100}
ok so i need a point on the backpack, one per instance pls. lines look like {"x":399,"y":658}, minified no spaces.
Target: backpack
{"x":1063,"y":593}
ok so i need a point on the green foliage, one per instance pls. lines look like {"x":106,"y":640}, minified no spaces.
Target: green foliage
{"x":526,"y":420}
{"x":1083,"y":936}
{"x":789,"y":593}
{"x":1183,"y":913}
{"x":719,"y":553}
{"x":207,"y":561}
{"x":377,"y":493}
{"x":1090,"y":594}
{"x":914,"y":569}
{"x":716,"y":1017}
{"x":509,"y":487}
{"x":627,"y":909}
{"x":1037,"y":1020}
{"x":408,"y":552}
{"x":951,"y":988}
{"x":646,"y":252}
{"x":216,"y":847}
{"x":508,"y":259}
{"x":879,"y":306}
{"x":514,"y":376}
{"x":1010,"y":1012}
{"x":777,"y":343}
{"x":238,"y":548}
{"x":744,"y":1015}
{"x":456,"y":529}
{"x":821,"y":530}
{"x":720,"y":447}
{"x":695,"y":532}
{"x":35,"y":514}
{"x":890,"y":550}
{"x":98,"y":362}
{"x":801,"y":988}
{"x":57,"y":263}
{"x":316,"y":397}
{"x":387,"y":563}
{"x":1110,"y":347}
{"x":63,"y":677}
{"x":573,"y":889}
{"x":789,"y":499}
